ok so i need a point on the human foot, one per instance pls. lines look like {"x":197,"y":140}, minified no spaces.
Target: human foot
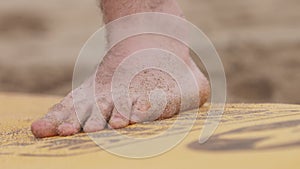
{"x":65,"y":118}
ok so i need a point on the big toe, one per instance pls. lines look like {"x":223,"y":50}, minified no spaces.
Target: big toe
{"x":43,"y":128}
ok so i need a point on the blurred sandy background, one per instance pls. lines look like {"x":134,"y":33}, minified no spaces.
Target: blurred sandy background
{"x":258,"y":41}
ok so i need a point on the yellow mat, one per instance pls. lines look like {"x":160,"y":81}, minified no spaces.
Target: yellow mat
{"x":254,"y":136}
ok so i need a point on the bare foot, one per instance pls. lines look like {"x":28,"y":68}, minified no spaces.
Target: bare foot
{"x":62,"y":118}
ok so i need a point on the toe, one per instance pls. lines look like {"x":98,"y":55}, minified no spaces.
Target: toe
{"x":94,"y":126}
{"x":67,"y":129}
{"x":140,"y":111}
{"x":47,"y":126}
{"x":70,"y":126}
{"x":97,"y":121}
{"x":44,"y":128}
{"x":118,"y":120}
{"x":145,"y":111}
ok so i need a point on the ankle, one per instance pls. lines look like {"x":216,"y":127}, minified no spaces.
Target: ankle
{"x":114,"y":9}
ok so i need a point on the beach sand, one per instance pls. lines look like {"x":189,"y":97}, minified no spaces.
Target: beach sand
{"x":249,"y":136}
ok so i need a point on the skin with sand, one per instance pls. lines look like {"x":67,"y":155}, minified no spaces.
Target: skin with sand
{"x":62,"y":120}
